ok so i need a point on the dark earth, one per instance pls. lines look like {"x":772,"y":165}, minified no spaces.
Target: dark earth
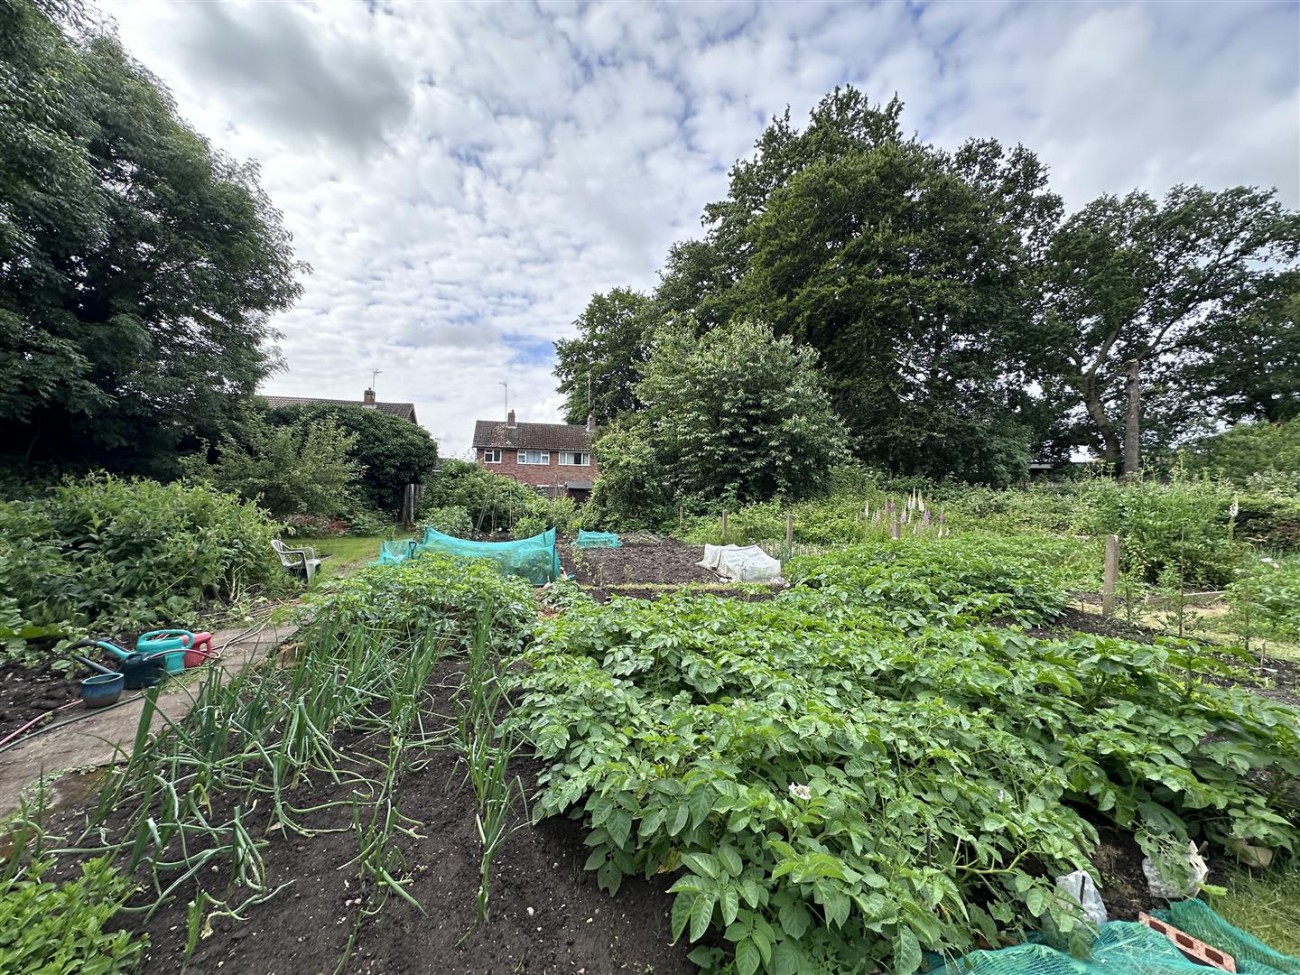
{"x":546,"y":913}
{"x":30,"y":692}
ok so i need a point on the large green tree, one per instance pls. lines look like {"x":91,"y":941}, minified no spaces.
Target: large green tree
{"x":738,"y":413}
{"x":1246,"y":365}
{"x":138,"y":266}
{"x":598,"y":370}
{"x":912,"y":271}
{"x":1136,"y":284}
{"x":911,"y":278}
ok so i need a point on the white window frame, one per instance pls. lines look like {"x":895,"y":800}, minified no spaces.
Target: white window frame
{"x":488,"y":455}
{"x":571,"y":454}
{"x":545,"y":455}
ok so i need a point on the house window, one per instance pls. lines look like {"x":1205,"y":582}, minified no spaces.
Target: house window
{"x":492,"y":456}
{"x":534,"y":456}
{"x":575,"y":458}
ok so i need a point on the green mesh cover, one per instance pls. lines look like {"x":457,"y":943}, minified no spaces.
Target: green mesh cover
{"x":533,"y":558}
{"x":1252,"y":955}
{"x":597,"y":540}
{"x":1129,"y":948}
{"x":395,"y":551}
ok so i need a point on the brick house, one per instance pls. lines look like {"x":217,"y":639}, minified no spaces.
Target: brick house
{"x":555,"y":458}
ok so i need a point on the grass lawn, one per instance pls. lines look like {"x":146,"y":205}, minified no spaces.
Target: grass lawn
{"x":343,"y":555}
{"x":1266,"y":904}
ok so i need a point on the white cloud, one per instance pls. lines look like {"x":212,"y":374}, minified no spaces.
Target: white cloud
{"x":463,"y":177}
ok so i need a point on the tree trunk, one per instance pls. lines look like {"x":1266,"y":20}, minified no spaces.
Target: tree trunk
{"x":1092,"y":403}
{"x":1132,"y":418}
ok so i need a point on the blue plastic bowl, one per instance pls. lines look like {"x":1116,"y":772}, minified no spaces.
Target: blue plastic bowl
{"x":102,"y":689}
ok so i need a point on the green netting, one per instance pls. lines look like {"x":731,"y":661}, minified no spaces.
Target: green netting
{"x":1129,"y":948}
{"x":395,"y":551}
{"x":533,"y":558}
{"x":597,"y":540}
{"x":1252,"y":955}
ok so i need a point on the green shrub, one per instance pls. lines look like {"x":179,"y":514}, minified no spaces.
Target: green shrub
{"x":59,"y":928}
{"x":1248,"y":449}
{"x":389,"y":451}
{"x":302,"y":469}
{"x":630,"y":491}
{"x":449,"y":520}
{"x":1182,"y":526}
{"x":1264,"y":600}
{"x":492,"y":502}
{"x":365,"y":522}
{"x":529,"y":526}
{"x":562,"y":515}
{"x":128,"y":554}
{"x":428,"y":593}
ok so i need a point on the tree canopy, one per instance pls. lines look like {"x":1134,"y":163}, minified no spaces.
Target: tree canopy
{"x":598,"y":370}
{"x":1135,"y":284}
{"x":963,"y":323}
{"x":138,"y":266}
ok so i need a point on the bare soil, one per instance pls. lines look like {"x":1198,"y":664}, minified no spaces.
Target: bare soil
{"x":647,"y":570}
{"x":29,"y":692}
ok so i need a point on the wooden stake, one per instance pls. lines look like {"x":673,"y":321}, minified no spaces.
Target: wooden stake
{"x":1110,"y":576}
{"x":681,"y":515}
{"x":724,"y":526}
{"x":789,"y":531}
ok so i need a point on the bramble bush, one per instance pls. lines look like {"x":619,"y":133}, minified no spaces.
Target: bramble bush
{"x":126,"y":554}
{"x":843,"y":777}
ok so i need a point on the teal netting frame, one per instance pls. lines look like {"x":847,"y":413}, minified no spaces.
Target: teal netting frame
{"x":1252,"y":955}
{"x":597,"y":540}
{"x":535,"y":559}
{"x":1129,"y":948}
{"x":395,"y":551}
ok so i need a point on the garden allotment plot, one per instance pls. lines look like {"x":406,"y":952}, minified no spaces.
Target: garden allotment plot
{"x":863,"y":768}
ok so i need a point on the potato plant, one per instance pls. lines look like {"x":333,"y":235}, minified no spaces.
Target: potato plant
{"x":859,"y":771}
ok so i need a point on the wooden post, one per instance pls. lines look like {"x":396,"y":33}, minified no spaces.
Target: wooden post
{"x":724,"y":526}
{"x":681,"y":516}
{"x":1110,"y":576}
{"x":789,"y":531}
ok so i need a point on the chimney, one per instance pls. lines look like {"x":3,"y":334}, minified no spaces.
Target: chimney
{"x":510,"y":420}
{"x":369,"y":398}
{"x":591,"y":422}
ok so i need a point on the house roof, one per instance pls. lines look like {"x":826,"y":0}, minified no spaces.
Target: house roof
{"x":532,"y":436}
{"x":405,"y":411}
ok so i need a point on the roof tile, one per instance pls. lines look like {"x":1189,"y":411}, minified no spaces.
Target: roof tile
{"x":532,"y":436}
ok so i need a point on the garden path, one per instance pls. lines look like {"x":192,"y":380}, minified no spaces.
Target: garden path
{"x":93,"y":739}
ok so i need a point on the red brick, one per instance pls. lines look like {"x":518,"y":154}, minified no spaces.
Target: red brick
{"x":1197,"y":951}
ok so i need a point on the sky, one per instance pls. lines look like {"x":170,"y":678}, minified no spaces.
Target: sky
{"x":463,"y":177}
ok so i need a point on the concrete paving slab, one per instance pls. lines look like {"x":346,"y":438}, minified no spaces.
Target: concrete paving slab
{"x":86,"y":739}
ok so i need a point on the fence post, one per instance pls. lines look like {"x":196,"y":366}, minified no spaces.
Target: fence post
{"x":789,"y":531}
{"x":1110,"y":576}
{"x":681,"y":516}
{"x":724,"y":526}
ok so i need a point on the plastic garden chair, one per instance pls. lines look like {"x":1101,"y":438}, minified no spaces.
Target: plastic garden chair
{"x":297,"y":559}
